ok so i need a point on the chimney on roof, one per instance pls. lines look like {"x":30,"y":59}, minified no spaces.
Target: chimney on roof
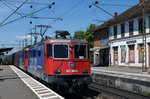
{"x":140,"y":2}
{"x":115,"y":14}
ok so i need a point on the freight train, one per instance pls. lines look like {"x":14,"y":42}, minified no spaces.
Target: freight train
{"x":59,"y":62}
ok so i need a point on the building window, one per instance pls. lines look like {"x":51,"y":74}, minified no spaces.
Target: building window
{"x":116,"y":56}
{"x":140,"y":25}
{"x":131,"y":54}
{"x":105,"y":33}
{"x":115,"y":31}
{"x":131,"y":28}
{"x":123,"y":53}
{"x":95,"y":59}
{"x":102,"y":35}
{"x":140,"y":53}
{"x":96,"y":36}
{"x":122,"y":29}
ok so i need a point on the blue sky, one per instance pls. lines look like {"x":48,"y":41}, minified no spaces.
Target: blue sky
{"x":76,"y":16}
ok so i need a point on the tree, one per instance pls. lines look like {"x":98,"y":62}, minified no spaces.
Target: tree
{"x":79,"y":35}
{"x":87,"y":35}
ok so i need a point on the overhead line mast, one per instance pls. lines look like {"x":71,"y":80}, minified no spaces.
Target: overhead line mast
{"x":144,"y":49}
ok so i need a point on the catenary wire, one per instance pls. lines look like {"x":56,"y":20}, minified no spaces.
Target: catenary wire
{"x":13,"y":12}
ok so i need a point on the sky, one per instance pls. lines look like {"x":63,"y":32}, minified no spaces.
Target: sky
{"x":76,"y":15}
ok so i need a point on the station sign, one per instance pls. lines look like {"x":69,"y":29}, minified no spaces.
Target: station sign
{"x":143,"y":50}
{"x":131,"y":42}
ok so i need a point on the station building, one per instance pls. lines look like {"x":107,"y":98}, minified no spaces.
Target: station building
{"x":101,"y":47}
{"x":118,"y":41}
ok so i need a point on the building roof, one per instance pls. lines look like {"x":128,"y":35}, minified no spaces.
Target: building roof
{"x":99,"y":48}
{"x":5,"y":49}
{"x":129,"y":14}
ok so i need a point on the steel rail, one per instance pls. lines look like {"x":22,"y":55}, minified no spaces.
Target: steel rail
{"x":117,"y":92}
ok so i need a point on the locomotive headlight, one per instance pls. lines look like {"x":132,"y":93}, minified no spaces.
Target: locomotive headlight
{"x":84,"y":71}
{"x":57,"y":71}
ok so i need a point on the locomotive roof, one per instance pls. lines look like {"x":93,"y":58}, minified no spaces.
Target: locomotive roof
{"x":59,"y":40}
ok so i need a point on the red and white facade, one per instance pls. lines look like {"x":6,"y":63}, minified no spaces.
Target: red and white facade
{"x":125,"y":37}
{"x":125,"y":51}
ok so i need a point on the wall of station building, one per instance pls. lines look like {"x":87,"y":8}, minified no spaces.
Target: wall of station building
{"x":123,"y":42}
{"x":135,"y":26}
{"x":101,"y":57}
{"x":126,"y":42}
{"x":134,"y":40}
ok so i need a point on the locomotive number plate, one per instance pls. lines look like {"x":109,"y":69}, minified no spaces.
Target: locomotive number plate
{"x":72,"y":70}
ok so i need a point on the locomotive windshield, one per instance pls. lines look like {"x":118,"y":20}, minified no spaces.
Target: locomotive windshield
{"x":60,"y":51}
{"x":80,"y":51}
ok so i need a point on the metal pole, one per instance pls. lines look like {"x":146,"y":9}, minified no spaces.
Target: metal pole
{"x":25,"y":40}
{"x":22,"y":43}
{"x":31,"y":36}
{"x":19,"y":44}
{"x":144,"y":49}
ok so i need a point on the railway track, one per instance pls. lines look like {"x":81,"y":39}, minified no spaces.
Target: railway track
{"x":116,"y":92}
{"x":88,"y":94}
{"x":97,"y":90}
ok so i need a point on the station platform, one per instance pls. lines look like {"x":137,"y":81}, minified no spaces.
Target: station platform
{"x":15,"y":84}
{"x":122,"y":72}
{"x":122,"y":77}
{"x":121,"y":69}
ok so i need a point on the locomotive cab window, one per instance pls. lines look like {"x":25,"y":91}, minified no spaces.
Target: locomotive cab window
{"x":39,"y":52}
{"x":30,"y":53}
{"x":80,"y":51}
{"x":61,"y":51}
{"x":22,"y":54}
{"x":49,"y":50}
{"x":88,"y":47}
{"x":34,"y":53}
{"x":26,"y":54}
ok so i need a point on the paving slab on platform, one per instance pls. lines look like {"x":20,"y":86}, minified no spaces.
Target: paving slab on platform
{"x":12,"y":87}
{"x":15,"y":84}
{"x":120,"y":69}
{"x":38,"y":88}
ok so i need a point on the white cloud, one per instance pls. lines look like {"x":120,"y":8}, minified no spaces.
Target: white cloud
{"x":23,"y":37}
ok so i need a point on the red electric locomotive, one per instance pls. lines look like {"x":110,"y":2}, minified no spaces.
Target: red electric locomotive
{"x":59,"y":62}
